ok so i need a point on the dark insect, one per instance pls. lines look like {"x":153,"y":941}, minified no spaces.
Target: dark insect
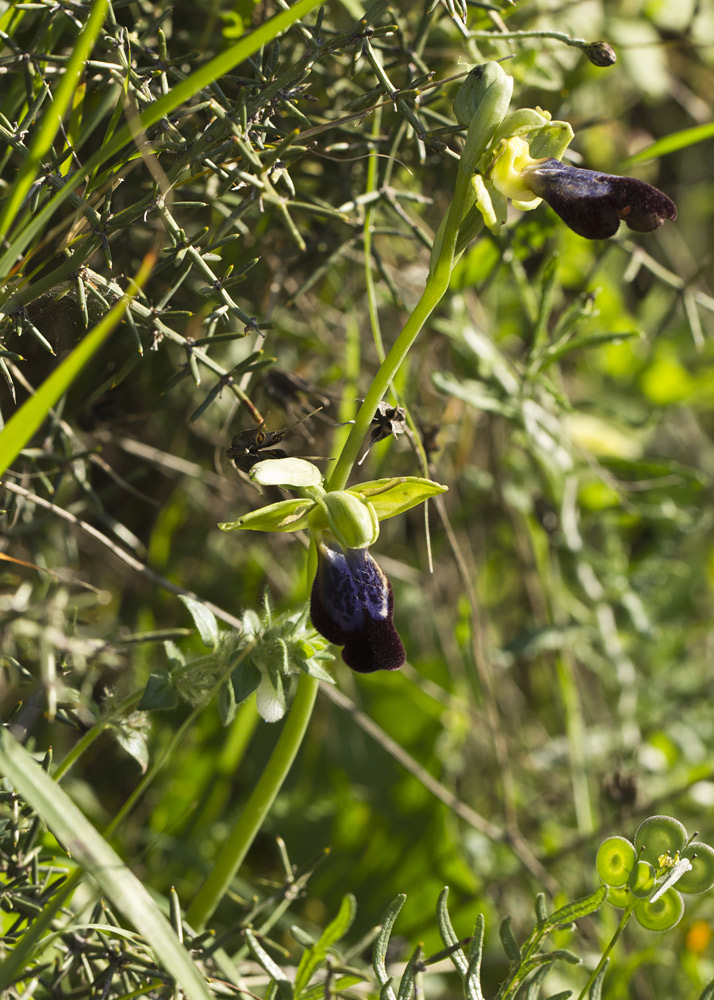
{"x":254,"y":445}
{"x":621,"y":789}
{"x":388,"y":421}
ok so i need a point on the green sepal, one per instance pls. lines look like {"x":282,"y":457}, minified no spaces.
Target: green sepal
{"x":520,"y":122}
{"x":285,"y":472}
{"x":492,"y":205}
{"x":551,"y":140}
{"x":285,"y":515}
{"x":394,"y":496}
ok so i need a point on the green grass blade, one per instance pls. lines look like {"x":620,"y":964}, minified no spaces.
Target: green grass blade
{"x":672,"y":143}
{"x":54,"y":113}
{"x":96,"y":857}
{"x":180,"y":94}
{"x":23,"y":424}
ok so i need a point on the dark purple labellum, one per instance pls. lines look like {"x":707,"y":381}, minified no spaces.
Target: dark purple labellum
{"x":595,"y":204}
{"x":351,"y":605}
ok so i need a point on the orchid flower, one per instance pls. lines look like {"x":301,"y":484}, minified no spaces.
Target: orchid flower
{"x":352,"y":602}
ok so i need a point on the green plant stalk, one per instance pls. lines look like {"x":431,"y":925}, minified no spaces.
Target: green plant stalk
{"x":567,"y":685}
{"x":241,"y":837}
{"x":491,"y":112}
{"x":629,"y":909}
{"x":492,"y":109}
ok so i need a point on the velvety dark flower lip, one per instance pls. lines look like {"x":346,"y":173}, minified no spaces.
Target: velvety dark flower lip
{"x":351,"y":604}
{"x":594,"y":204}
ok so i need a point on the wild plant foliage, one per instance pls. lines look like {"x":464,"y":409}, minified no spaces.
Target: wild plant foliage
{"x":359,"y":337}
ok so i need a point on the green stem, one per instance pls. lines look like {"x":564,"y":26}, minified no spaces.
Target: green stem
{"x":251,"y":819}
{"x":491,"y":111}
{"x":606,"y":954}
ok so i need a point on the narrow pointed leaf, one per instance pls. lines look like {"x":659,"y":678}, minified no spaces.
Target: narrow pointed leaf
{"x":390,"y":497}
{"x":577,"y":909}
{"x":204,"y":620}
{"x":285,"y":515}
{"x":124,"y":890}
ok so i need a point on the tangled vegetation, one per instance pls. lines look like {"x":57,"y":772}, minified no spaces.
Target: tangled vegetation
{"x":387,"y":311}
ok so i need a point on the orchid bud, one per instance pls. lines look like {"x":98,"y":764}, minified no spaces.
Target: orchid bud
{"x":600,"y":53}
{"x":351,"y":519}
{"x":475,"y":88}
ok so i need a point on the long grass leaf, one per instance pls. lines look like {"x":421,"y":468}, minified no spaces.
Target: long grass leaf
{"x":126,"y":893}
{"x":53,"y":115}
{"x":671,"y":144}
{"x":23,"y":424}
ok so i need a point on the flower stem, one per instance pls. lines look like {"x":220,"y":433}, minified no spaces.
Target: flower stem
{"x":491,"y":111}
{"x":486,"y":119}
{"x":606,"y":954}
{"x":256,"y":809}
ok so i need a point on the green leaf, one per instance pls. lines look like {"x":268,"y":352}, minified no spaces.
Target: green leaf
{"x":407,"y":984}
{"x":390,"y":497}
{"x":203,"y":619}
{"x":476,"y":394}
{"x":263,"y":958}
{"x":89,"y":849}
{"x":707,"y":992}
{"x":286,"y":472}
{"x":133,"y":742}
{"x":671,"y":144}
{"x":379,"y":953}
{"x":315,"y":955}
{"x":472,"y":982}
{"x":510,"y":945}
{"x":338,"y":987}
{"x":578,"y":908}
{"x":159,"y":693}
{"x":227,"y":703}
{"x":54,"y":112}
{"x":448,"y":934}
{"x":245,"y":680}
{"x":534,"y":983}
{"x":285,"y":515}
{"x":595,"y":992}
{"x":337,"y":928}
{"x":180,"y":93}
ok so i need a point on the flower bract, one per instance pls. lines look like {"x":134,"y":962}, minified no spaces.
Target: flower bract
{"x":351,"y":604}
